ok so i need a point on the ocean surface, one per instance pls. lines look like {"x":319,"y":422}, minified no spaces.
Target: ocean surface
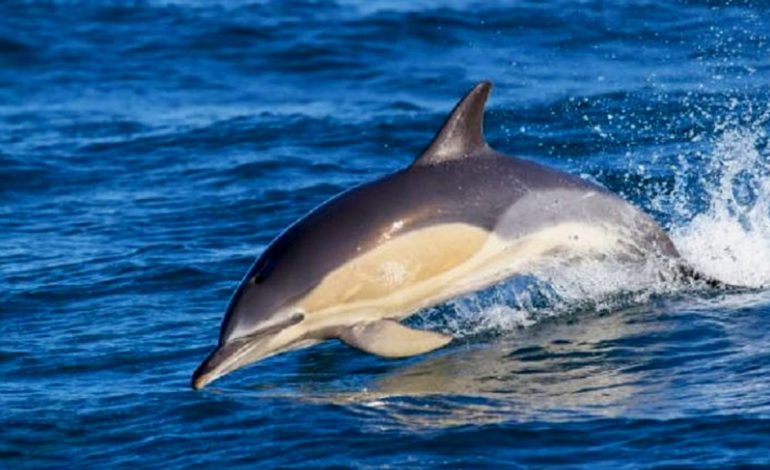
{"x":150,"y":150}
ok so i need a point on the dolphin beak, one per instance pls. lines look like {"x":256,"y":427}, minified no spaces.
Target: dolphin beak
{"x":237,"y":353}
{"x":231,"y":356}
{"x":223,"y":360}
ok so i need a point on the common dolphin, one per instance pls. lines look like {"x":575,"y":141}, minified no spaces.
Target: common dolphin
{"x":459,"y":218}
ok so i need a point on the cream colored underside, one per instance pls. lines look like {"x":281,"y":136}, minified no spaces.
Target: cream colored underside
{"x":428,"y":266}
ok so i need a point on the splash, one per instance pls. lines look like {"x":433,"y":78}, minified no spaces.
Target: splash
{"x":553,"y":288}
{"x":729,"y":239}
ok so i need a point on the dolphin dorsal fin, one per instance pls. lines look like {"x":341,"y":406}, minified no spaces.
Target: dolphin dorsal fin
{"x":462,"y":135}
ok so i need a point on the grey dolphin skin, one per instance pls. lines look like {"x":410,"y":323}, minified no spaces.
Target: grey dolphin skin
{"x":461,"y":217}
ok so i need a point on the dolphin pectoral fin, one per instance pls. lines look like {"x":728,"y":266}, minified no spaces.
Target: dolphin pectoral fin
{"x":388,"y":338}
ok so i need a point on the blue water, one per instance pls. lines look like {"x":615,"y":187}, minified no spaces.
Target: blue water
{"x":149,"y":150}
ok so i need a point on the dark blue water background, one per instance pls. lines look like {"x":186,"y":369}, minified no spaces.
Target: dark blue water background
{"x":149,"y":150}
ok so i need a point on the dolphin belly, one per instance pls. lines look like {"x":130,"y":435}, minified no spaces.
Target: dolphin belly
{"x":432,"y":265}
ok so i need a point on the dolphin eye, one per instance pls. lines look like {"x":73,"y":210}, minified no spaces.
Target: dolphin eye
{"x":261,"y":271}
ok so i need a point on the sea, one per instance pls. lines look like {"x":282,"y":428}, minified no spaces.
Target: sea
{"x":151,"y":149}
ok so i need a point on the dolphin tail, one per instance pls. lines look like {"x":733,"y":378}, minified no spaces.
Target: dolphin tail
{"x":388,"y":338}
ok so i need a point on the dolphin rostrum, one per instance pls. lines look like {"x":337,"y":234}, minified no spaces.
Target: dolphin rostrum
{"x":461,"y":217}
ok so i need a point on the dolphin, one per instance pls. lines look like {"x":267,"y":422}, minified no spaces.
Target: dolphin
{"x":460,"y":218}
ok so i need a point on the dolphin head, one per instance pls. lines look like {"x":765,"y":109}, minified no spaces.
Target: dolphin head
{"x":261,"y":320}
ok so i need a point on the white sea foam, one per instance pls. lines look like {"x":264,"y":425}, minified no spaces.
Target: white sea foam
{"x":556,"y":287}
{"x":730,"y":239}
